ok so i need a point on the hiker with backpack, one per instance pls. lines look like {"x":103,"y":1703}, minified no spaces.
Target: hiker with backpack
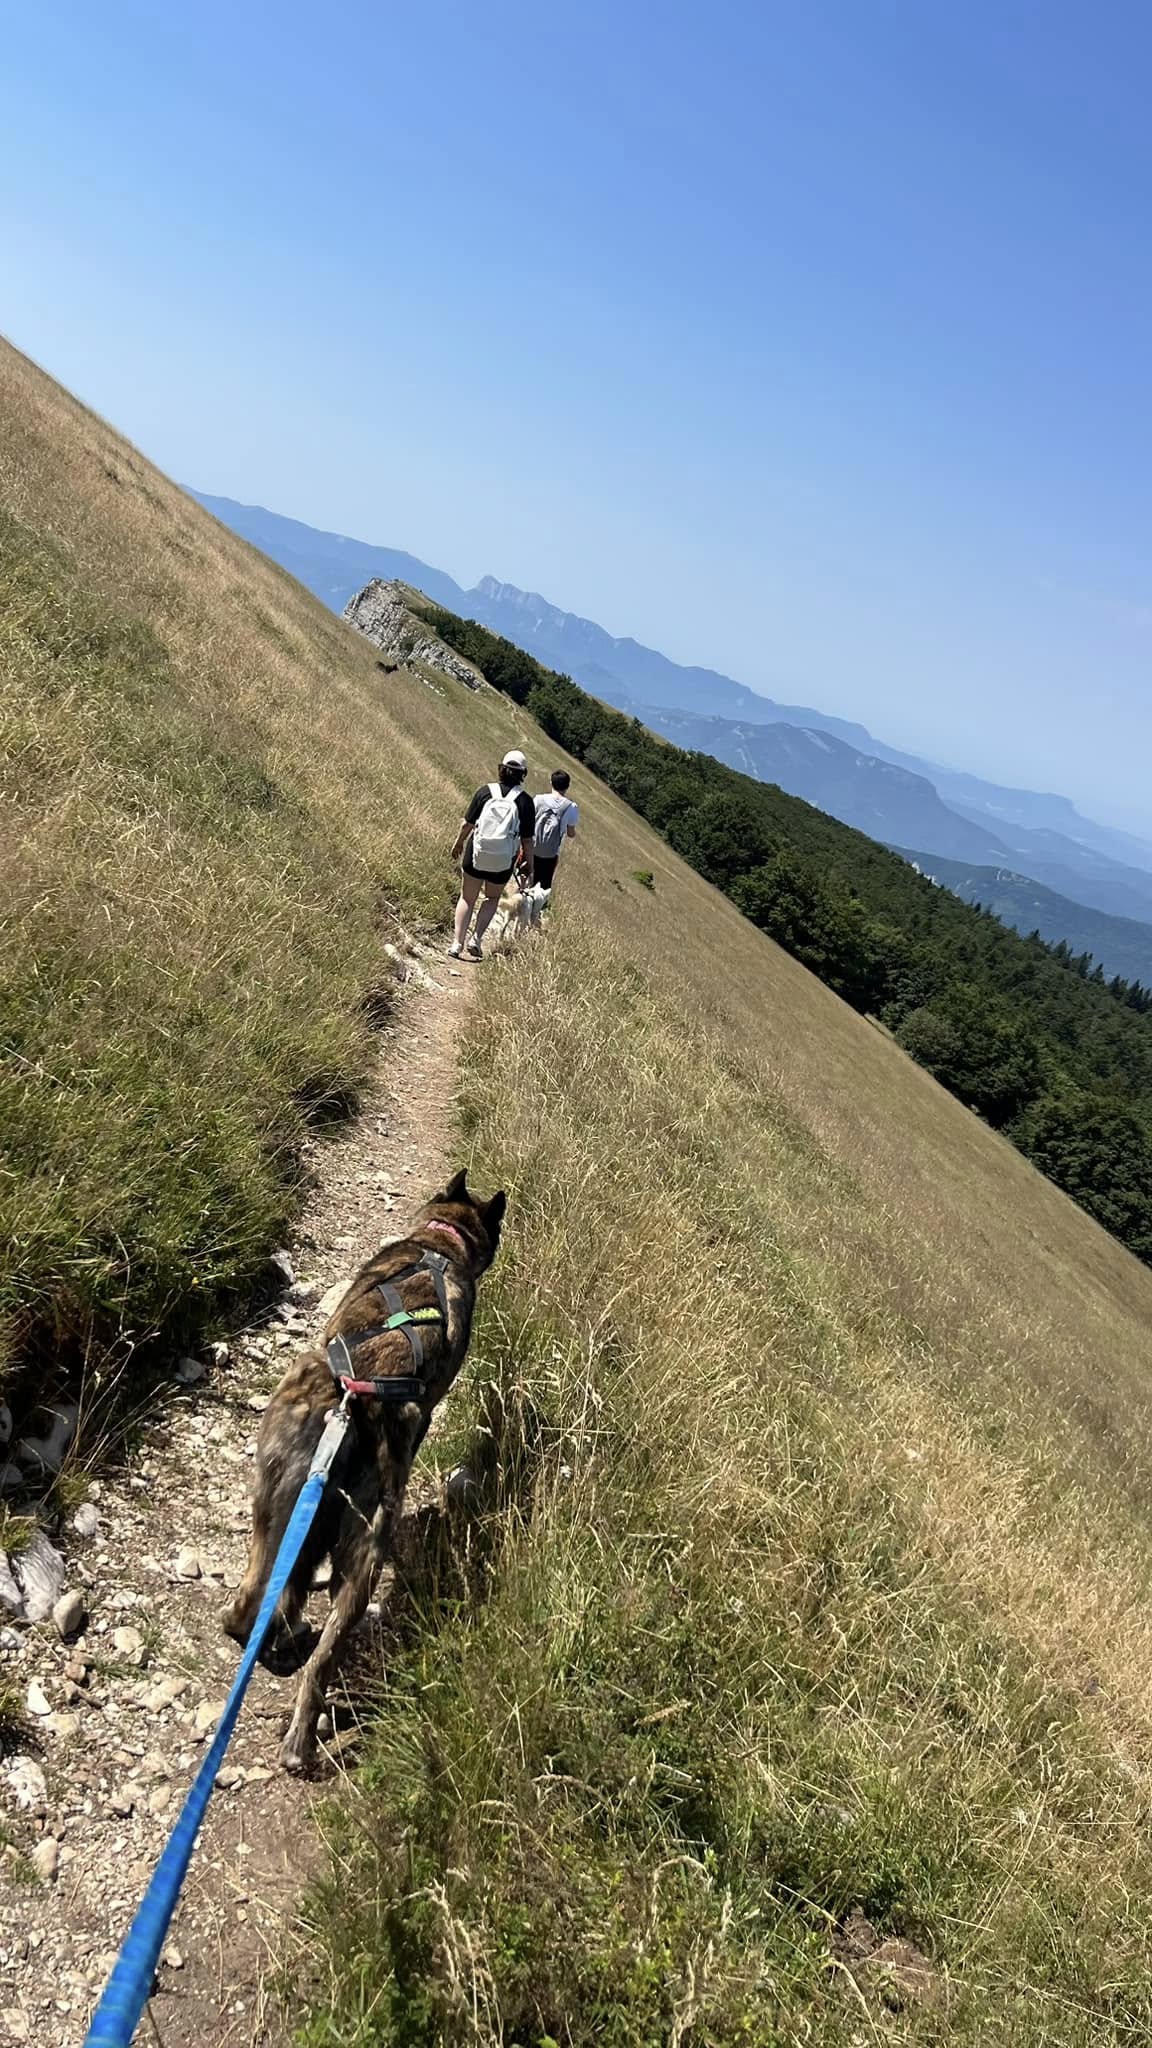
{"x":496,"y":832}
{"x":556,"y":820}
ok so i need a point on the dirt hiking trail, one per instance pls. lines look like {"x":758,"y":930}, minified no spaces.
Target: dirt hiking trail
{"x":117,"y":1718}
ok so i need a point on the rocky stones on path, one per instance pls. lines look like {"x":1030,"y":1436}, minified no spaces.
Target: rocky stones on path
{"x":36,"y":1700}
{"x":26,"y":1785}
{"x":282,"y":1261}
{"x":258,"y":1403}
{"x":11,"y":1598}
{"x":16,"y":2023}
{"x":188,"y":1564}
{"x":65,"y":1727}
{"x":39,"y":1573}
{"x":42,"y":1455}
{"x":69,"y":1614}
{"x":304,"y":1292}
{"x":172,"y":1958}
{"x":188,"y":1371}
{"x":165,"y":1693}
{"x":129,"y":1643}
{"x":123,"y":1801}
{"x":330,"y":1302}
{"x":206,"y":1716}
{"x":86,"y":1521}
{"x":45,"y":1858}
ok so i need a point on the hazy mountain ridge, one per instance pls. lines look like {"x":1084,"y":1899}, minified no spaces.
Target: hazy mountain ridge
{"x":1121,"y":945}
{"x":894,"y":796}
{"x":851,"y":785}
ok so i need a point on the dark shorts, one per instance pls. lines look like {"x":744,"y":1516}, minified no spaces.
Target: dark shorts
{"x":466,"y":868}
{"x":544,"y":869}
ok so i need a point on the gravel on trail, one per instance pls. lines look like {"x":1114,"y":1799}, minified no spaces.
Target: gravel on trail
{"x":125,"y":1676}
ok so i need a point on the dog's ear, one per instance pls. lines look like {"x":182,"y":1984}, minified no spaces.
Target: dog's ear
{"x":493,"y":1215}
{"x":457,"y":1188}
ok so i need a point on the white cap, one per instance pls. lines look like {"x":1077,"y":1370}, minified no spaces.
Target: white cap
{"x":515,"y":760}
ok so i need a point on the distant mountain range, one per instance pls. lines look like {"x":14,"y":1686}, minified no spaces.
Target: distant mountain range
{"x":837,"y":765}
{"x":1121,"y":944}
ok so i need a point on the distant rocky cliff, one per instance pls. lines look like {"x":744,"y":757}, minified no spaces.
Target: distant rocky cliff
{"x":381,"y":612}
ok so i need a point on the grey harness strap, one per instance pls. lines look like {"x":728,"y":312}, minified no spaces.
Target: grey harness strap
{"x":398,"y":1387}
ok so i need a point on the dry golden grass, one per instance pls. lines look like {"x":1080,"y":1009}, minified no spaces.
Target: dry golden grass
{"x":213,"y":810}
{"x":809,"y":1577}
{"x":810,"y":1566}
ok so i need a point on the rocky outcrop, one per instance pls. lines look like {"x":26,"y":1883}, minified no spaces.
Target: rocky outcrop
{"x":380,"y":611}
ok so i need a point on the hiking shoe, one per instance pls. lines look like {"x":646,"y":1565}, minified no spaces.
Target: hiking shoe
{"x":475,"y":951}
{"x":454,"y":950}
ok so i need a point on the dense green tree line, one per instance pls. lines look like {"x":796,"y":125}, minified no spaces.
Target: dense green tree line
{"x":1033,"y":1038}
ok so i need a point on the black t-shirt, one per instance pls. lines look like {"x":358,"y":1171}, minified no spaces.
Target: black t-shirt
{"x":524,"y":805}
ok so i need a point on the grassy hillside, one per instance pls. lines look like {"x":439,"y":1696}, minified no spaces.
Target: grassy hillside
{"x":1036,"y":1042}
{"x":214,"y":808}
{"x":813,"y":1576}
{"x":793,"y":1679}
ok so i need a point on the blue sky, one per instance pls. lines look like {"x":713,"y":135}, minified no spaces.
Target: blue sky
{"x":811,"y":340}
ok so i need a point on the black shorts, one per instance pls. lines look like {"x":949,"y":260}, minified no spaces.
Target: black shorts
{"x":544,"y":868}
{"x":502,"y":875}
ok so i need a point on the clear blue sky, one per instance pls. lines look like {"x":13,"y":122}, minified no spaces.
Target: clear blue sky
{"x":809,"y":339}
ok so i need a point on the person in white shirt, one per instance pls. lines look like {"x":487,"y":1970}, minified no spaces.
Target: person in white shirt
{"x":556,"y":820}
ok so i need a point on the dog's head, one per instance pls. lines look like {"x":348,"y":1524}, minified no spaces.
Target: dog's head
{"x":477,"y":1222}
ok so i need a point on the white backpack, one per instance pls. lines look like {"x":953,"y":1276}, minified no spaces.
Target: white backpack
{"x":496,"y":833}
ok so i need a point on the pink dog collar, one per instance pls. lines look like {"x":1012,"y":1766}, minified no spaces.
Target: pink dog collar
{"x":447,"y":1230}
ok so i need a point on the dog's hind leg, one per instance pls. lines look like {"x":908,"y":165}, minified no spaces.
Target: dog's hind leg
{"x":280,"y":1473}
{"x":356,"y":1575}
{"x":240,"y":1613}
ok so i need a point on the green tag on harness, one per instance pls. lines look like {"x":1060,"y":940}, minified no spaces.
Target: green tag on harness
{"x":416,"y":1315}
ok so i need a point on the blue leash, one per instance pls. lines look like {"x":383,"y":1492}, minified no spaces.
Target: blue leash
{"x":129,"y":1987}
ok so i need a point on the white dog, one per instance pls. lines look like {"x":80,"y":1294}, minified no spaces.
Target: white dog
{"x":521,"y":910}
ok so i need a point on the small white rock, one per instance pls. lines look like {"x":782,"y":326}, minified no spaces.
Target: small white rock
{"x":188,"y":1563}
{"x":173,"y":1958}
{"x":282,"y":1261}
{"x":330,"y":1302}
{"x":69,"y":1614}
{"x":187,"y":1371}
{"x":37,"y":1700}
{"x":11,"y":1598}
{"x":39,"y":1571}
{"x":207,"y":1715}
{"x":16,"y":2023}
{"x":86,"y":1521}
{"x":45,"y":1858}
{"x":26,"y":1784}
{"x":165,"y":1693}
{"x":128,"y":1642}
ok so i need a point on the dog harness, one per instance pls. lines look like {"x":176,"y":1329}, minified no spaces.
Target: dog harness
{"x":401,"y":1386}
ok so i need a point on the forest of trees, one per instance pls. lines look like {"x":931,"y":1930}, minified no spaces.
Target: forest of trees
{"x":1033,"y":1038}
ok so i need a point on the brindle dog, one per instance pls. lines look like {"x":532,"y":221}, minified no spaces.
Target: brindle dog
{"x":454,"y":1238}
